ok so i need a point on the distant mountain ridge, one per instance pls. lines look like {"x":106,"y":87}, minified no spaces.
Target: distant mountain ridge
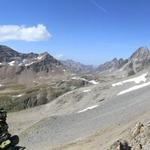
{"x":112,"y":65}
{"x":14,"y":63}
{"x":77,"y":67}
{"x":139,"y":60}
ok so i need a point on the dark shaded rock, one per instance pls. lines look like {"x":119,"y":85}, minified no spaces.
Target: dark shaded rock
{"x":120,"y":145}
{"x":7,"y":53}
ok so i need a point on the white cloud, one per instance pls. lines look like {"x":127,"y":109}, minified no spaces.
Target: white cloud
{"x":15,"y":32}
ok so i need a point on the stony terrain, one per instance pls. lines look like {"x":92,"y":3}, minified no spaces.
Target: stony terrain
{"x":52,"y":108}
{"x":84,"y":117}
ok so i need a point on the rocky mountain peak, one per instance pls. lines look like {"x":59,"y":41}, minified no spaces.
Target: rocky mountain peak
{"x":45,"y":55}
{"x":115,"y":60}
{"x":140,"y":53}
{"x":16,"y":63}
{"x":6,"y":53}
{"x":138,"y":61}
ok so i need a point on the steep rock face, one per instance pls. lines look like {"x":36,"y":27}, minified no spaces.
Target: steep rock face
{"x":44,"y":62}
{"x":138,"y":61}
{"x":140,"y":54}
{"x":6,"y":53}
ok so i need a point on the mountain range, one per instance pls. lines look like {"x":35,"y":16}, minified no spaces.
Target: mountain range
{"x":15,"y":63}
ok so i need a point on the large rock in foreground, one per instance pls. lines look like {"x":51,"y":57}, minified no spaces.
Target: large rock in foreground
{"x":138,"y":139}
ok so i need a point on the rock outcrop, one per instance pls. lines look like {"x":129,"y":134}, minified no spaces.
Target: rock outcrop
{"x":138,"y":139}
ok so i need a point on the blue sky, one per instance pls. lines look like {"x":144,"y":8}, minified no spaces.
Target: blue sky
{"x":89,"y":31}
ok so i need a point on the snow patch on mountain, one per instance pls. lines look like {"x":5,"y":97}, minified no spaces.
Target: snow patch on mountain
{"x":78,"y":78}
{"x":29,"y":64}
{"x":20,"y":95}
{"x":12,"y":63}
{"x":137,"y":80}
{"x":134,"y":88}
{"x":88,"y":108}
{"x":94,"y":82}
{"x":88,"y":90}
{"x":40,"y":57}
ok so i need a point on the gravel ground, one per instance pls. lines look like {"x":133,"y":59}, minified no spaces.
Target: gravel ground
{"x":58,"y":123}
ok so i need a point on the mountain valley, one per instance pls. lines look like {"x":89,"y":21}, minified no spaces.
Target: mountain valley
{"x":70,"y":105}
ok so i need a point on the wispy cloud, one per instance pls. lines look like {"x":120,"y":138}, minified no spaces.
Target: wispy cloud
{"x":98,"y":6}
{"x":15,"y":32}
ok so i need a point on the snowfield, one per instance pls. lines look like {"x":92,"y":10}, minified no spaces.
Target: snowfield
{"x":134,"y":88}
{"x":12,"y":63}
{"x":20,"y":95}
{"x":94,"y":82}
{"x":88,"y":90}
{"x":137,"y":80}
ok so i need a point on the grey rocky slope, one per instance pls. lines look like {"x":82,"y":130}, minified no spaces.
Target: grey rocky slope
{"x":68,"y":120}
{"x":14,"y":97}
